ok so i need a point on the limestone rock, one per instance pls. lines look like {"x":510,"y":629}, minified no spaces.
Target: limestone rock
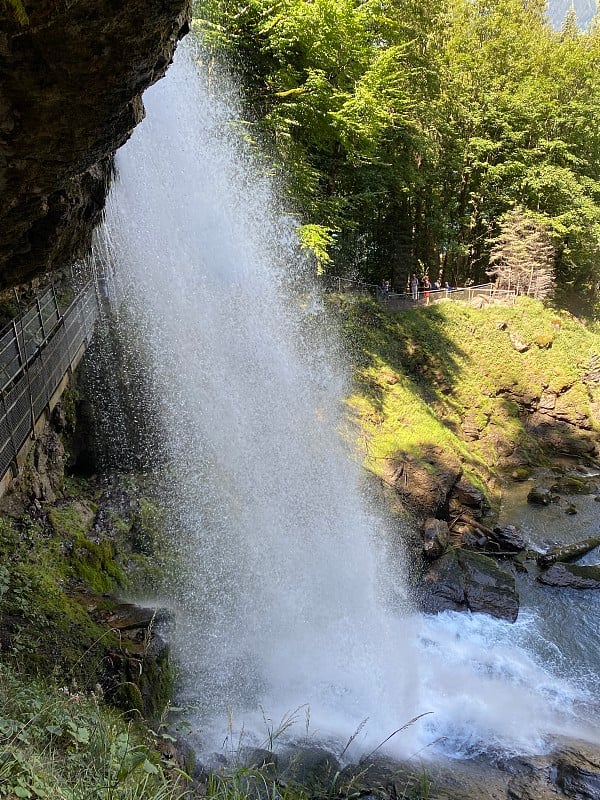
{"x":571,"y":771}
{"x":488,"y":588}
{"x":556,"y":431}
{"x":547,"y":401}
{"x":442,"y":587}
{"x":312,"y":767}
{"x":47,"y":466}
{"x":425,"y":484}
{"x":468,"y":495}
{"x":70,"y":95}
{"x":578,"y":771}
{"x":130,"y":617}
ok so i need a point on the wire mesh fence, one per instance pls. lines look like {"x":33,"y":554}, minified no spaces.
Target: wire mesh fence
{"x":36,"y":351}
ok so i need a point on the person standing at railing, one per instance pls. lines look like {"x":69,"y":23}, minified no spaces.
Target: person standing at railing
{"x":414,"y":287}
{"x":426,"y":288}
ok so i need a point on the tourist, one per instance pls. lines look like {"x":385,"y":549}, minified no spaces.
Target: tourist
{"x":426,"y":288}
{"x":414,"y":287}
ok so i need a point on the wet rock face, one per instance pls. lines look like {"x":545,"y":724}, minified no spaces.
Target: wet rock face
{"x":461,"y":580}
{"x":70,"y":86}
{"x":571,"y":576}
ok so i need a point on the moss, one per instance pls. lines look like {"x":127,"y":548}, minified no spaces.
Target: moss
{"x":69,"y":401}
{"x":421,"y":374}
{"x":70,"y":520}
{"x":57,"y":592}
{"x":41,"y":624}
{"x":544,"y":340}
{"x":92,"y":562}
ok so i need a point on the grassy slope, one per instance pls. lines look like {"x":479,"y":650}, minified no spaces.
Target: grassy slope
{"x":423,"y":374}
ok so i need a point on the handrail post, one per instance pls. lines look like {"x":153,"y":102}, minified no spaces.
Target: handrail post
{"x":19,"y":350}
{"x":39,"y":311}
{"x":55,"y":298}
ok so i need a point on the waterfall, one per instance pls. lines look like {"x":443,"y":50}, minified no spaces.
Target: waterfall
{"x":286,"y":597}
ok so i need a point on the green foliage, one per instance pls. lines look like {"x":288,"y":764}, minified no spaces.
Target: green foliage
{"x":316,"y":239}
{"x":410,"y":127}
{"x":62,"y":743}
{"x":18,"y":10}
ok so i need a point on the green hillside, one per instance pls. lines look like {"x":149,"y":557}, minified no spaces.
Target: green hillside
{"x":448,"y":380}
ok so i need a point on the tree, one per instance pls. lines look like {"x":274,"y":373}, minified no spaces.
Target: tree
{"x":522,"y":256}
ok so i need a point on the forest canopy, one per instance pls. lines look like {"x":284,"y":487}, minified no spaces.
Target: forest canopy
{"x":408,"y":129}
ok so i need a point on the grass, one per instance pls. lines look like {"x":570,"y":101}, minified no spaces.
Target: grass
{"x":61,"y":743}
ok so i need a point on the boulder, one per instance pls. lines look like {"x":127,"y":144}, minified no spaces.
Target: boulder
{"x":488,"y":588}
{"x":312,"y":767}
{"x":462,"y":580}
{"x":570,"y":576}
{"x":574,"y":484}
{"x":435,"y":535}
{"x":468,"y":495}
{"x":424,"y":485}
{"x":509,"y":538}
{"x":540,"y":495}
{"x":442,"y":586}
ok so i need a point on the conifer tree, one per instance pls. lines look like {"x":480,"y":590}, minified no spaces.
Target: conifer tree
{"x":522,"y":256}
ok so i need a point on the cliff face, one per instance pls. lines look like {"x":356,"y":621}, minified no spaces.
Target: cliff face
{"x":70,"y":86}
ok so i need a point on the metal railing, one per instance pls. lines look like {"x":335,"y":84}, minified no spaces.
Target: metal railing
{"x":36,"y":351}
{"x":399,"y":300}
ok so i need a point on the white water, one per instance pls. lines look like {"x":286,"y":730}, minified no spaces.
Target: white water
{"x":281,"y":598}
